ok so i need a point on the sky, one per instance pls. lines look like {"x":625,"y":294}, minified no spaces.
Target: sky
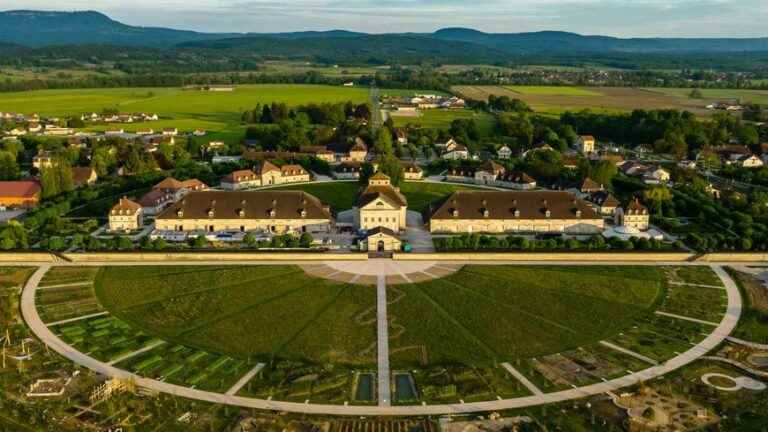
{"x":622,"y":18}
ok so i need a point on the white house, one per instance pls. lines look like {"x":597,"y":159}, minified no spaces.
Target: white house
{"x":504,"y":153}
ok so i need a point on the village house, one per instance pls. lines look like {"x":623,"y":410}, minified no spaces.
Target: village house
{"x":402,"y":136}
{"x":636,"y":216}
{"x":491,"y":174}
{"x":585,"y":144}
{"x":499,"y":212}
{"x":199,"y":132}
{"x":278,"y":212}
{"x":538,"y":147}
{"x":358,"y":152}
{"x":58,"y":131}
{"x":750,"y":161}
{"x":144,"y":132}
{"x":170,"y":132}
{"x":84,"y":176}
{"x":412,"y":171}
{"x":125,"y":216}
{"x":446,"y":146}
{"x":380,"y":205}
{"x":605,"y":203}
{"x":504,"y":153}
{"x":347,"y":171}
{"x":457,"y":152}
{"x":589,"y":186}
{"x":114,"y":132}
{"x":34,"y":128}
{"x":321,"y":153}
{"x":44,"y":159}
{"x":656,"y":175}
{"x":240,"y":179}
{"x":166,"y":192}
{"x":19,"y":194}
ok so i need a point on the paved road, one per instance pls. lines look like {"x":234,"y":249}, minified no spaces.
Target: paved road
{"x":382,"y":335}
{"x":726,"y":326}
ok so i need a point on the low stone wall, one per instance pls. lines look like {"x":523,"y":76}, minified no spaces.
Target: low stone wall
{"x":28,"y":257}
{"x":213,"y":256}
{"x":544,"y":257}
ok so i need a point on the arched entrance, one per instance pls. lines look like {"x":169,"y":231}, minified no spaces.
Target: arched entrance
{"x":380,"y":246}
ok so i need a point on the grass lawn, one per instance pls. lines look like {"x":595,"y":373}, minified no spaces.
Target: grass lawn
{"x":251,"y":313}
{"x":554,"y":90}
{"x":485,"y":314}
{"x":341,"y":195}
{"x":753,"y":323}
{"x":442,"y":118}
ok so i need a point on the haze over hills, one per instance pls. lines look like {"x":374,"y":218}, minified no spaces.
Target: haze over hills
{"x":45,"y":28}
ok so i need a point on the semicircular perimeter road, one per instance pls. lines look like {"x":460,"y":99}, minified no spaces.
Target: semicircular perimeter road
{"x":721,"y":332}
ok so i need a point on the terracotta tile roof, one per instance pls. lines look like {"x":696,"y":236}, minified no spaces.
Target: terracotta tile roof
{"x":348,"y":167}
{"x":19,"y":189}
{"x":589,"y":185}
{"x":637,"y":208}
{"x":389,"y":193}
{"x":169,"y":183}
{"x":125,"y":206}
{"x":239,"y":176}
{"x":517,"y":177}
{"x":254,"y":204}
{"x":265,"y":167}
{"x":81,"y":175}
{"x":504,"y":205}
{"x":383,"y":230}
{"x":604,"y":199}
{"x":411,"y":167}
{"x":194,"y":185}
{"x":293,"y":170}
{"x":155,"y":197}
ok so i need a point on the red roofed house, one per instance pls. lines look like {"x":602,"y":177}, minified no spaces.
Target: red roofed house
{"x":19,"y":194}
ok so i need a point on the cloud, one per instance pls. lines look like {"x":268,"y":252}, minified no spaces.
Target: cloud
{"x":611,"y":17}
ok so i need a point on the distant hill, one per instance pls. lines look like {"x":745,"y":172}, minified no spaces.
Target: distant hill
{"x":563,"y":42}
{"x":41,"y":28}
{"x":37,"y":28}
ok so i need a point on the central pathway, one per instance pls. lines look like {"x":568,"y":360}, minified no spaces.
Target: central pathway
{"x":382,"y":340}
{"x":719,"y":334}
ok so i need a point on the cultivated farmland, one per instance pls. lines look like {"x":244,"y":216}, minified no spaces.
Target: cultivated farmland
{"x":556,"y":100}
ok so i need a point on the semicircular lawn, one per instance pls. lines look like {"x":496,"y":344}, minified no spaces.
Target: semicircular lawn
{"x":256,"y":313}
{"x":480,"y":315}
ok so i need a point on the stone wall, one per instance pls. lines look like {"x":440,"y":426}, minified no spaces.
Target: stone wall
{"x":212,"y":256}
{"x":544,"y":257}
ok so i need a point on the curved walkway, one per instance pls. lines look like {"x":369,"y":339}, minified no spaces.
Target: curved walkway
{"x":724,"y":328}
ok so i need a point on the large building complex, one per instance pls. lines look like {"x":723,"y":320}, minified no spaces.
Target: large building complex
{"x":515,"y":212}
{"x":269,"y":211}
{"x":19,"y":194}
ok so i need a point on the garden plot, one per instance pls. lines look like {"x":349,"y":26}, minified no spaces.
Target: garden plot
{"x":708,"y":304}
{"x":186,"y":366}
{"x":103,"y":338}
{"x":68,"y":275}
{"x":661,"y":338}
{"x":453,"y":384}
{"x":292,"y":381}
{"x":66,"y":302}
{"x":694,"y":275}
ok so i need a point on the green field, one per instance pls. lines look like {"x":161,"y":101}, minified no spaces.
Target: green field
{"x":554,"y":90}
{"x":342,"y":195}
{"x":486,"y":314}
{"x":442,"y":118}
{"x":250,"y":313}
{"x":187,"y":110}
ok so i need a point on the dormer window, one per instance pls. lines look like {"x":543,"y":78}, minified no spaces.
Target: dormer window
{"x":211,"y":213}
{"x":517,"y":213}
{"x":241,"y":212}
{"x":486,"y":213}
{"x":303,"y":213}
{"x":272,"y":213}
{"x":547,"y":213}
{"x":578,"y":213}
{"x":455,"y":212}
{"x":180,"y":213}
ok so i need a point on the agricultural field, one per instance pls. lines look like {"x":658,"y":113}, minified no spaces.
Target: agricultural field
{"x":556,"y":100}
{"x":486,"y":314}
{"x":442,"y":118}
{"x":244,"y":313}
{"x":554,"y":90}
{"x":185,"y":109}
{"x":67,"y":292}
{"x":342,"y":195}
{"x":714,"y":95}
